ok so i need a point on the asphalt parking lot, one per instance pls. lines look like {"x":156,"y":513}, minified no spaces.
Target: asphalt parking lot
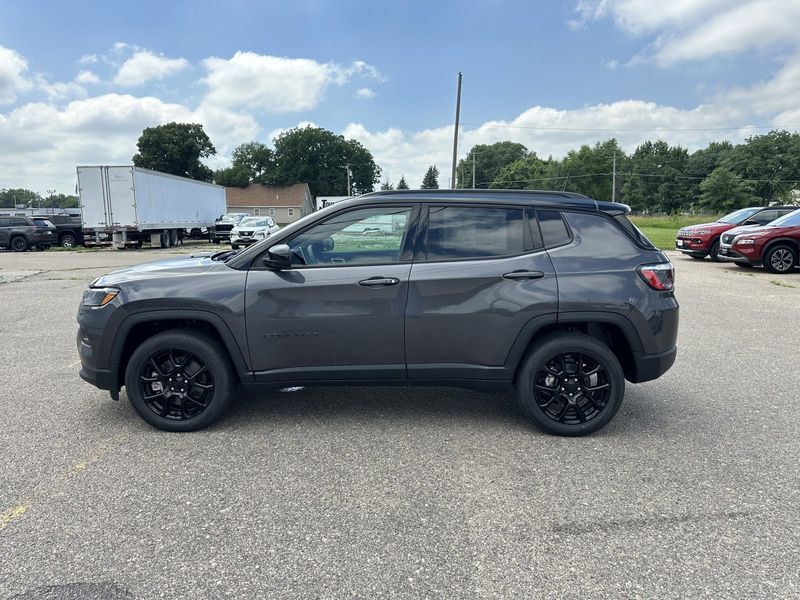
{"x":693,"y":490}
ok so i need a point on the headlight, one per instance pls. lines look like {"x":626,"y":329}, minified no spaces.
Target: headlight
{"x":744,"y":242}
{"x":97,"y":297}
{"x":700,"y":232}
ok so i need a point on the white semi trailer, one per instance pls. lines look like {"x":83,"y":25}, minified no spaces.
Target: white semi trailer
{"x":129,"y":205}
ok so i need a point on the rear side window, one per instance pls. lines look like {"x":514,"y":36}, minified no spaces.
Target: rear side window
{"x":554,"y":230}
{"x":19,"y":223}
{"x":4,"y":222}
{"x":456,"y":232}
{"x":633,"y":231}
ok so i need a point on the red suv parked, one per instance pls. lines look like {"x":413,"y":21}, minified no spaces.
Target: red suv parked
{"x":775,"y":246}
{"x":699,"y":241}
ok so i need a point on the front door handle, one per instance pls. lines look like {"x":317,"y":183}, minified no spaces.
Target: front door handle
{"x":379,"y":281}
{"x":524,"y":275}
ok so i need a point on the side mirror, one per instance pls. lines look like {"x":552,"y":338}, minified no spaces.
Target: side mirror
{"x":279,"y":257}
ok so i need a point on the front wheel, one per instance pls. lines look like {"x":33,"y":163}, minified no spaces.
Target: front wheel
{"x":780,"y":259}
{"x":179,"y":381}
{"x":713,"y":252}
{"x":570,"y":384}
{"x":234,"y":246}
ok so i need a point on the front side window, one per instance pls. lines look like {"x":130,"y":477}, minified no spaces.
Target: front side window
{"x":359,"y":237}
{"x":765,"y":216}
{"x":456,"y":232}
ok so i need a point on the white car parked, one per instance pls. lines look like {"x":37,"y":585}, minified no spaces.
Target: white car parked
{"x":251,"y":230}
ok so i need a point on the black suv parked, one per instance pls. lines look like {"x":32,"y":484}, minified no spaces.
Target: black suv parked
{"x":554,"y":293}
{"x":21,"y":233}
{"x":70,"y":232}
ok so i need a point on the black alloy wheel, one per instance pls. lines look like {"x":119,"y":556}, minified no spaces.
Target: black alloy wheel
{"x":572,"y":388}
{"x":176,"y":384}
{"x":570,"y":384}
{"x":780,"y":259}
{"x":180,"y":380}
{"x":19,"y":244}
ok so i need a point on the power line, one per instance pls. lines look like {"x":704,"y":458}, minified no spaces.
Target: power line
{"x":652,"y":129}
{"x":629,"y":174}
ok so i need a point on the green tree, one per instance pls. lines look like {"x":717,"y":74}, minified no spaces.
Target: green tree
{"x":233,"y":176}
{"x":387,"y":185}
{"x":431,"y":179}
{"x":175,"y":148}
{"x":771,"y":162}
{"x":402,"y":185}
{"x":529,"y":173}
{"x":662,"y":186}
{"x":490,"y":159}
{"x":60,"y":201}
{"x":257,"y":159}
{"x":589,"y":169}
{"x":320,"y":158}
{"x":702,"y":162}
{"x":12,"y":198}
{"x":723,"y":191}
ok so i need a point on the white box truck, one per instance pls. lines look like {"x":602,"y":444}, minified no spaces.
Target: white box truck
{"x":129,"y":205}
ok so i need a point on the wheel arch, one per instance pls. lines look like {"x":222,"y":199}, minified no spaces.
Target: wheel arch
{"x":792,"y":243}
{"x":614,"y":330}
{"x":140,"y":326}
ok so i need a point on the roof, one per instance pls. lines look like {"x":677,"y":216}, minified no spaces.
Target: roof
{"x":524,"y":197}
{"x":257,"y":194}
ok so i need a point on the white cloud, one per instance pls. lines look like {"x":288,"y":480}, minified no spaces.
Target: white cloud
{"x":275,"y":83}
{"x":146,"y":66}
{"x":88,"y":59}
{"x":688,"y":30}
{"x":365,"y":93}
{"x":87,"y":77}
{"x":13,"y":68}
{"x":60,"y":90}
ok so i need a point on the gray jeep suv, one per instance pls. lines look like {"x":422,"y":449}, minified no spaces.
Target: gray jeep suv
{"x":553,"y":293}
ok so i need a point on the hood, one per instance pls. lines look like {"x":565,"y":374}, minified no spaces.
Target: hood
{"x":715,"y":226}
{"x":741,"y":229}
{"x":173,"y":267}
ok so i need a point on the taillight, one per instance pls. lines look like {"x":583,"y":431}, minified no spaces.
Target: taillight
{"x":660,"y":276}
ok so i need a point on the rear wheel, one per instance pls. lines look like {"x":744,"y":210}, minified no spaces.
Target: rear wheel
{"x":215,"y":241}
{"x":780,"y":259}
{"x":694,"y":256}
{"x":179,"y":381}
{"x":68,"y":240}
{"x":570,"y":384}
{"x":713,"y":252}
{"x":19,"y":244}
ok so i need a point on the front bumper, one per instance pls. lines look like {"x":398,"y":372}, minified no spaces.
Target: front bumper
{"x":103,"y":379}
{"x":245,"y":241}
{"x":728,"y":254}
{"x":692,"y":246}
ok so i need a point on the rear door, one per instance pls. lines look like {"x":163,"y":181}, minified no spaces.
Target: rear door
{"x":480,"y":274}
{"x":5,"y":227}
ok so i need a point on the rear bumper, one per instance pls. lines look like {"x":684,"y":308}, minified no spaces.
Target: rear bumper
{"x":647,"y":367}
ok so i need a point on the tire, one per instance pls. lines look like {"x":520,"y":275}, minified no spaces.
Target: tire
{"x":169,"y":351}
{"x":744,"y":265}
{"x":780,"y":259}
{"x":173,"y":238}
{"x":164,"y":239}
{"x":19,"y":244}
{"x":234,"y":246}
{"x":215,"y":241}
{"x":713,"y":252}
{"x":694,"y":256}
{"x":557,"y":412}
{"x":68,"y":240}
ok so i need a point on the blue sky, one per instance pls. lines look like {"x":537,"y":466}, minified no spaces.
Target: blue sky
{"x":79,"y":80}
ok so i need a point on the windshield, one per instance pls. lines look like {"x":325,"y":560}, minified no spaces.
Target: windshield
{"x":253,"y":222}
{"x":739,"y":216}
{"x":790,"y":220}
{"x":230,"y":218}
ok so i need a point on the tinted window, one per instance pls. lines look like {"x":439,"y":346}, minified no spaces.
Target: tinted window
{"x":461,"y":232}
{"x":738,"y":216}
{"x":4,"y":222}
{"x":765,"y":216}
{"x":19,"y":222}
{"x":554,"y":231}
{"x":790,"y":220}
{"x":358,"y":237}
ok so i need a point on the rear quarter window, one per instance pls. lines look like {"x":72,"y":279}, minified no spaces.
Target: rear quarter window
{"x":554,"y":231}
{"x":599,"y":237}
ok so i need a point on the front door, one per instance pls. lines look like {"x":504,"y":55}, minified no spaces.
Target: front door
{"x":338,"y":312}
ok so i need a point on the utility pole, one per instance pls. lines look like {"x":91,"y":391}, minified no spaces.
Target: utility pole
{"x":473,"y":169}
{"x":455,"y":133}
{"x":614,"y":179}
{"x":349,"y":174}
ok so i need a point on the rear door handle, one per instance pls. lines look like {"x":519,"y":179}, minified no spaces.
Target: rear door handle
{"x":524,"y":275}
{"x":379,"y":281}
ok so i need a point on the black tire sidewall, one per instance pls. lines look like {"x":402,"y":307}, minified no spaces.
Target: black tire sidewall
{"x":713,"y":251}
{"x":66,"y":237}
{"x":558,"y":344}
{"x":771,"y":251}
{"x":23,"y":247}
{"x":209,"y":351}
